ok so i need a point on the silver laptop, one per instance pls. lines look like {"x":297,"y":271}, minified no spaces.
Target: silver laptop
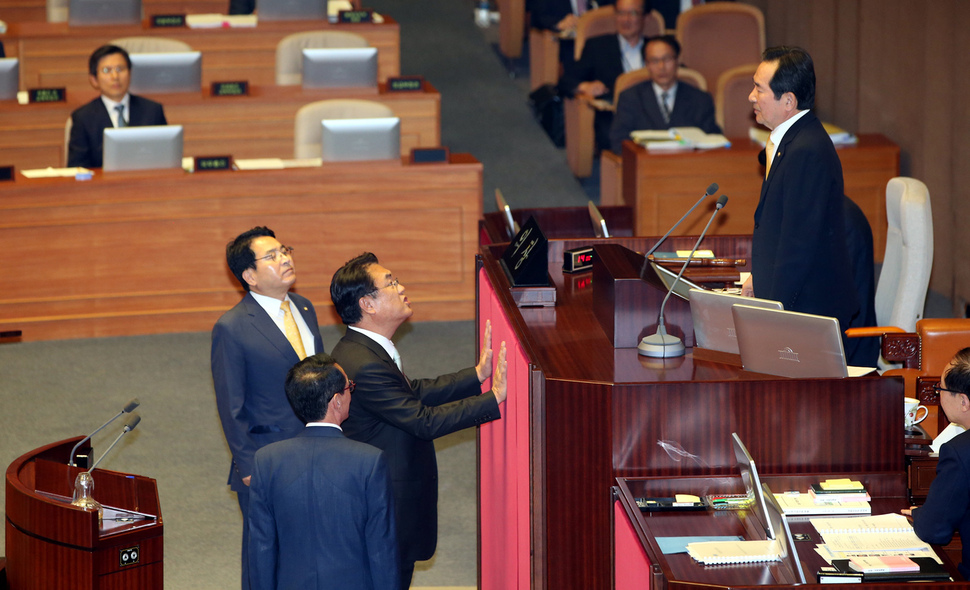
{"x":354,"y":67}
{"x":176,"y":71}
{"x":9,"y":78}
{"x":791,"y":344}
{"x":779,"y":522}
{"x":103,"y":12}
{"x":752,"y":485}
{"x":599,"y":224}
{"x":713,"y":320}
{"x":291,"y":9}
{"x":142,"y":148}
{"x":668,"y":276}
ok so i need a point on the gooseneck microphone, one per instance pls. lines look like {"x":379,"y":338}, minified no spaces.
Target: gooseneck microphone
{"x":662,"y":344}
{"x":129,"y":407}
{"x":129,"y":426}
{"x":646,"y":257}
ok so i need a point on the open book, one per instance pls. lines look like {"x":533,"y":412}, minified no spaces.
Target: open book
{"x":723,"y":552}
{"x":679,"y":138}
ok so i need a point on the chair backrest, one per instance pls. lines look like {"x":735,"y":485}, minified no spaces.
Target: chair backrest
{"x":602,"y":21}
{"x":150,"y":45}
{"x":718,"y":36}
{"x":634,"y":77}
{"x":905,"y":274}
{"x":289,"y":51}
{"x":57,"y":11}
{"x":732,"y":110}
{"x":940,"y":339}
{"x":307,"y":131}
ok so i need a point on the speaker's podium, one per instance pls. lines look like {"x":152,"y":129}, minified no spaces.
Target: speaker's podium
{"x":53,"y":545}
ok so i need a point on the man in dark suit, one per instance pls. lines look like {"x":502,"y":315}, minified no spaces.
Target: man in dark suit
{"x":561,"y":16}
{"x":947,"y":506}
{"x":403,"y":416}
{"x":321,"y":511}
{"x":109,"y":70}
{"x":603,"y":59}
{"x":799,"y":250}
{"x":254,"y":344}
{"x":661,"y":102}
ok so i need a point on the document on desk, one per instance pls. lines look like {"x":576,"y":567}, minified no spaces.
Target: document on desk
{"x":724,"y":552}
{"x":881,"y":523}
{"x":805,"y":504}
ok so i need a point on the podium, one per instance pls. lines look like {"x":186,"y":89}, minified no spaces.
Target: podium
{"x":52,"y":545}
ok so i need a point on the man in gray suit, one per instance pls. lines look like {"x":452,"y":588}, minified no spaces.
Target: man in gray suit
{"x":254,"y":344}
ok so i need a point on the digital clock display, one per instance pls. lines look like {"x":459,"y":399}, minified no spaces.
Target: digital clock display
{"x":577,"y":259}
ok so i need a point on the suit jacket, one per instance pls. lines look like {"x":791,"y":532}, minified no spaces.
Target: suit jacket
{"x":947,"y":506}
{"x":250,"y":359}
{"x":242,"y":6}
{"x":601,"y":60}
{"x":799,"y":251}
{"x":637,"y":108}
{"x":89,"y":122}
{"x":403,"y":417}
{"x":320,"y":515}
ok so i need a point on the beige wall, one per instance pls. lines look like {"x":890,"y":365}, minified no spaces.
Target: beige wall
{"x":900,"y":68}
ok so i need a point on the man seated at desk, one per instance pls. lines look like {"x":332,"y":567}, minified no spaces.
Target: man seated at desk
{"x":947,"y":507}
{"x":661,"y":102}
{"x":109,"y":71}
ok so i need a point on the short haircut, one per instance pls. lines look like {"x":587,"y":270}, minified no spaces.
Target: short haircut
{"x":795,"y":74}
{"x":240,"y":255}
{"x":670,"y":40}
{"x":102,"y":52}
{"x":311,"y":384}
{"x":958,"y":375}
{"x":351,"y":282}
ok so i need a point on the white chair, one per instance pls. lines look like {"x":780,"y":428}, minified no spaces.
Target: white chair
{"x":57,"y":11}
{"x":307,"y":131}
{"x":151,"y":45}
{"x":289,"y":51}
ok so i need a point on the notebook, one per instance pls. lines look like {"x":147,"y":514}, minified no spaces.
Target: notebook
{"x":791,"y":344}
{"x":713,"y":320}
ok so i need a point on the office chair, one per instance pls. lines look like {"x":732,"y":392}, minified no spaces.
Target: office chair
{"x":150,"y":45}
{"x":718,"y":36}
{"x":289,"y":51}
{"x":307,"y":131}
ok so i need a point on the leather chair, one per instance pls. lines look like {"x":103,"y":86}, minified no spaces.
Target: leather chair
{"x":289,"y":51}
{"x":718,"y":36}
{"x":307,"y":131}
{"x":732,"y":111}
{"x":150,"y":45}
{"x":57,"y":11}
{"x":601,"y":21}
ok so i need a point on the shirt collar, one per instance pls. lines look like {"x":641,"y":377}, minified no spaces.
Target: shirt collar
{"x":272,"y":305}
{"x":385,"y":342}
{"x":778,"y":133}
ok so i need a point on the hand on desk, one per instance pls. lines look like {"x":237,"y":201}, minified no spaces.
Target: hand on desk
{"x":591,"y":89}
{"x":908,"y":511}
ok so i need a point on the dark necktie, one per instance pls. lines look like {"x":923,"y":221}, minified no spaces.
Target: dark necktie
{"x":121,"y":115}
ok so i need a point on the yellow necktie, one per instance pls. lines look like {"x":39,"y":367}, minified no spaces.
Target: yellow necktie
{"x":769,"y":155}
{"x":292,"y":332}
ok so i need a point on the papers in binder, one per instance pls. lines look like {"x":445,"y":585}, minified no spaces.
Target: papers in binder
{"x":882,"y":523}
{"x":678,"y":138}
{"x":724,"y":552}
{"x":805,"y":504}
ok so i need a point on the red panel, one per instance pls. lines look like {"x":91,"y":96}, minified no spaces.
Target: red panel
{"x":630,"y":562}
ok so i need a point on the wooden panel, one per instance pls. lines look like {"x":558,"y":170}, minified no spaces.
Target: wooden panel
{"x":21,"y":11}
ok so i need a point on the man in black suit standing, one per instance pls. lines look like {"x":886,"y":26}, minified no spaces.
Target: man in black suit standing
{"x":109,"y":70}
{"x":661,"y":102}
{"x":799,"y":252}
{"x":403,"y":416}
{"x":321,"y":511}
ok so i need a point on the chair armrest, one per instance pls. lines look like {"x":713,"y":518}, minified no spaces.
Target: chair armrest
{"x":868,"y":331}
{"x":902,"y":348}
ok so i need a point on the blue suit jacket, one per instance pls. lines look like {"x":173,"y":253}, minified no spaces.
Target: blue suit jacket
{"x":320,"y":515}
{"x":947,"y":506}
{"x":637,"y":108}
{"x":250,"y":359}
{"x":89,"y":122}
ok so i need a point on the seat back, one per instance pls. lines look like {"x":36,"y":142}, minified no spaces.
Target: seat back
{"x":57,"y":11}
{"x":151,"y":45}
{"x":732,"y":110}
{"x":940,"y":339}
{"x":307,"y":131}
{"x":905,"y":274}
{"x":634,"y":77}
{"x":602,"y":21}
{"x":289,"y":51}
{"x":718,"y":36}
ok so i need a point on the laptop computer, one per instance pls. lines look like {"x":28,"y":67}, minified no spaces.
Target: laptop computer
{"x":713,"y":320}
{"x":791,"y":344}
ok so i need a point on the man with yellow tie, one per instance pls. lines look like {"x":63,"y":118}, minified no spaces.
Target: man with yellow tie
{"x":254,"y":344}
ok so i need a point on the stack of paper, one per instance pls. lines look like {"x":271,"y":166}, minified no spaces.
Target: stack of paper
{"x":722,"y":552}
{"x":869,"y":536}
{"x":805,"y":504}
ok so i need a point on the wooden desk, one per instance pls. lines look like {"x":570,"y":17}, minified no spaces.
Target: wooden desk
{"x":256,"y":126}
{"x":581,"y":413}
{"x":54,"y":55}
{"x":20,"y":11}
{"x":144,"y":253}
{"x":661,"y":187}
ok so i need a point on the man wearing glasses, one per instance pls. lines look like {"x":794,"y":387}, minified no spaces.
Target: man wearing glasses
{"x":254,"y":344}
{"x":321,"y":513}
{"x":109,"y":70}
{"x":403,"y":416}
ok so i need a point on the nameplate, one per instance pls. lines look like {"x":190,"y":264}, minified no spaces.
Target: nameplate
{"x":355,"y":17}
{"x":405,"y":84}
{"x":238,"y":88}
{"x":210,"y":163}
{"x":6,"y":173}
{"x":435,"y":155}
{"x":526,"y":259}
{"x":168,"y":20}
{"x":47,"y":95}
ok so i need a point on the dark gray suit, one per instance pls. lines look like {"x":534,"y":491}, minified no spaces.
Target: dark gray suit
{"x":89,"y":122}
{"x":947,"y":506}
{"x":320,"y":515}
{"x":638,"y":108}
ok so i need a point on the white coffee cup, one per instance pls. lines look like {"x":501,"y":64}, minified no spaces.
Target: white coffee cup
{"x":911,"y":416}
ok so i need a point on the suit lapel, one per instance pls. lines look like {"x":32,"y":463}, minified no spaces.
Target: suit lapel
{"x":378,"y":350}
{"x":263,"y":324}
{"x":779,"y":160}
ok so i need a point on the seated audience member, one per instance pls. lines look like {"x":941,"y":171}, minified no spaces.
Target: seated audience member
{"x":110,"y":72}
{"x":561,"y":16}
{"x":320,"y":512}
{"x":947,"y":507}
{"x":603,"y":59}
{"x":661,"y":102}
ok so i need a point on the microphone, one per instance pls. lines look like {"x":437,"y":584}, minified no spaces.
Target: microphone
{"x":131,"y":405}
{"x":129,"y":426}
{"x":662,"y":344}
{"x":646,"y":258}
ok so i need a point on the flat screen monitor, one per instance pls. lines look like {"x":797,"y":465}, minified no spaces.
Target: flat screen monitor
{"x":361,"y":139}
{"x":291,"y":9}
{"x":752,"y":485}
{"x":142,"y":148}
{"x":178,"y":71}
{"x":340,"y":68}
{"x":778,"y":521}
{"x":9,"y":78}
{"x":104,"y":12}
{"x":668,"y":277}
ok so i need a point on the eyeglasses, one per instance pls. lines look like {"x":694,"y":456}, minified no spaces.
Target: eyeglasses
{"x":628,"y":13}
{"x":395,"y":283}
{"x":938,"y":387}
{"x":351,"y":386}
{"x":661,"y":60}
{"x":117,"y":70}
{"x":274,"y":255}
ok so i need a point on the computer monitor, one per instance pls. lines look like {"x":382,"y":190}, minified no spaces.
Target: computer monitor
{"x":340,"y":68}
{"x":669,"y":276}
{"x":752,"y":485}
{"x":776,"y":516}
{"x":714,"y":321}
{"x":142,"y":148}
{"x":178,"y":71}
{"x":291,"y":9}
{"x":104,"y":12}
{"x":9,"y":78}
{"x":361,"y":139}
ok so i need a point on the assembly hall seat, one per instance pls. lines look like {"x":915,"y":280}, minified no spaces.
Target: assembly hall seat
{"x":289,"y":51}
{"x":307,"y":131}
{"x":151,"y":45}
{"x":718,"y":36}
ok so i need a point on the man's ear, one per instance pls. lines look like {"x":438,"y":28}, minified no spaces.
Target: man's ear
{"x":94,"y":82}
{"x":368,"y":305}
{"x":249,"y":275}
